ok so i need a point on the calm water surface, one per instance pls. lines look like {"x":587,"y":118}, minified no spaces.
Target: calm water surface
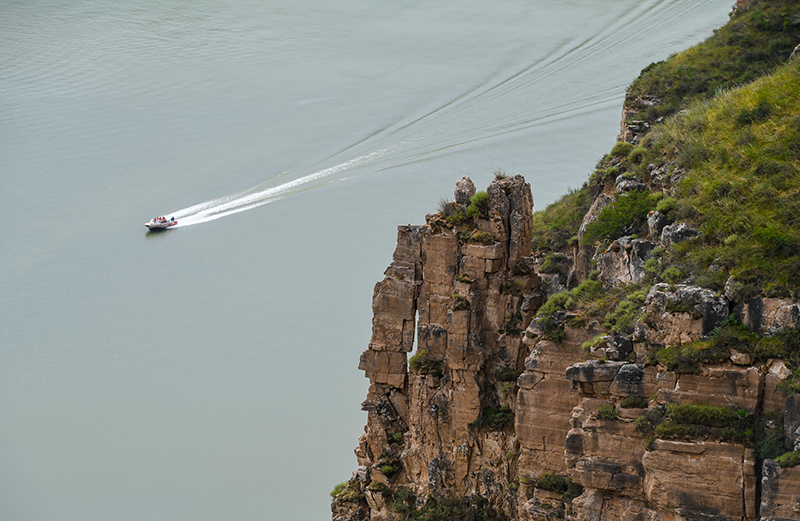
{"x":209,"y":372}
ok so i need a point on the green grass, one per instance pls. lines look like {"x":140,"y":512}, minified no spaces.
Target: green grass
{"x":742,"y":190}
{"x":556,"y":226}
{"x":756,"y":40}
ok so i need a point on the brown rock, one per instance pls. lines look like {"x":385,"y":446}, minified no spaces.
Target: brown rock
{"x":696,"y":479}
{"x":767,"y":316}
{"x":780,"y":492}
{"x":719,"y":385}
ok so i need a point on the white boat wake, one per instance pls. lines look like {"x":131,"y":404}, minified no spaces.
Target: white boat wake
{"x":229,"y":205}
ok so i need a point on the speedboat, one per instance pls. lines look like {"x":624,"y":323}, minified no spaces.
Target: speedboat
{"x":160,"y":223}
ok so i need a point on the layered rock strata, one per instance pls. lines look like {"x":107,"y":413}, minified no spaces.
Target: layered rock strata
{"x":554,"y":417}
{"x":466,"y":300}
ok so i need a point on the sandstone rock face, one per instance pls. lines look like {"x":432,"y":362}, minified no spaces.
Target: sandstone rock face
{"x":464,"y":302}
{"x":780,"y":492}
{"x":701,"y":479}
{"x":545,"y":393}
{"x":623,"y":261}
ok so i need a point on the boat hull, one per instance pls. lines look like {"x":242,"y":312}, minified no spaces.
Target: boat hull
{"x":160,"y":225}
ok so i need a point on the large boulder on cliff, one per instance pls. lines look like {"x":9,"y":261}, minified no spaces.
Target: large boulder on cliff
{"x":683,"y":314}
{"x":677,"y":233}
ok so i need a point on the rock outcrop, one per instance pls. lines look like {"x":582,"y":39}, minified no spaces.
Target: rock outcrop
{"x":430,"y":428}
{"x":551,"y":416}
{"x":554,"y":417}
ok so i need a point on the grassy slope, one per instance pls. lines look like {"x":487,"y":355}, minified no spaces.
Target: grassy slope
{"x":755,"y":41}
{"x":729,"y":164}
{"x":742,"y":190}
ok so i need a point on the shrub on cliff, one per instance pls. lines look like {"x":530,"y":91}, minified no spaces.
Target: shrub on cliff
{"x":625,"y":216}
{"x":478,"y":208}
{"x":492,"y":418}
{"x":607,"y":412}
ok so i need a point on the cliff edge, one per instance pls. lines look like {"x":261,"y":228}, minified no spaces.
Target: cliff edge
{"x":632,"y":352}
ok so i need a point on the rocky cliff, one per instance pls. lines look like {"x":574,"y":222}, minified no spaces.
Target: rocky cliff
{"x":630,"y":353}
{"x":561,"y":419}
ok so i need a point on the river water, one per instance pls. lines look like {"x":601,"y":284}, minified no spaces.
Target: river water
{"x":210,"y":372}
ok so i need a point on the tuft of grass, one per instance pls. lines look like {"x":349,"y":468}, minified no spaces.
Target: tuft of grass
{"x":790,"y":459}
{"x":348,"y":492}
{"x":425,"y":364}
{"x":447,"y":207}
{"x":388,"y":464}
{"x":460,"y":303}
{"x":624,"y":317}
{"x":621,"y":149}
